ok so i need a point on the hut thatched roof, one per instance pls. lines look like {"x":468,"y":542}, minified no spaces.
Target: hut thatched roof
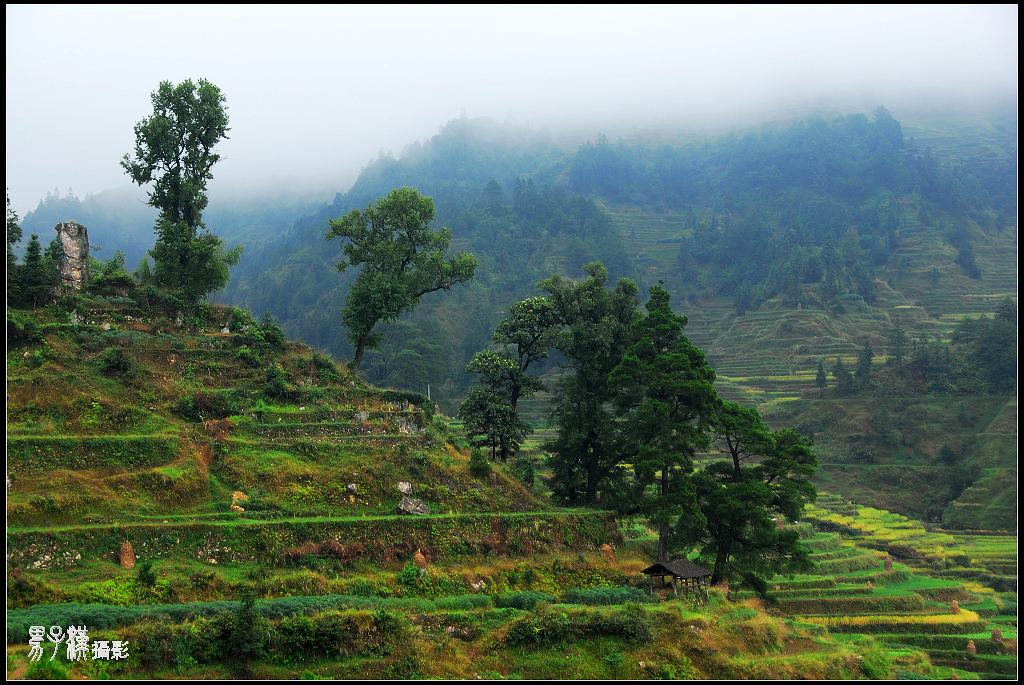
{"x":680,"y":568}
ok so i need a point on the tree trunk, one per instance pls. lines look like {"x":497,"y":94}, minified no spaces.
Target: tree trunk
{"x":663,"y":528}
{"x":360,"y":347}
{"x":720,"y":561}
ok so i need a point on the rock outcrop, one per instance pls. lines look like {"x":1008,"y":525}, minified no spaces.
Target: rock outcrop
{"x":410,"y":505}
{"x":74,"y":260}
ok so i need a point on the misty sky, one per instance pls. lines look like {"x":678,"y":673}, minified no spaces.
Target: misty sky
{"x":315,"y":92}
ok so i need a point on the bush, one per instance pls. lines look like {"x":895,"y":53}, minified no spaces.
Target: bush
{"x":275,"y":384}
{"x":606,"y":596}
{"x":248,"y":355}
{"x":273,"y":334}
{"x":206,"y":405}
{"x":521,"y":600}
{"x":21,"y":330}
{"x":479,"y":464}
{"x":114,"y":362}
{"x":325,"y":368}
{"x":547,"y":626}
{"x":144,"y":574}
{"x":523,"y":468}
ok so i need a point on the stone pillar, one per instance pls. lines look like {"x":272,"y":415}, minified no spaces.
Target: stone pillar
{"x":74,"y":261}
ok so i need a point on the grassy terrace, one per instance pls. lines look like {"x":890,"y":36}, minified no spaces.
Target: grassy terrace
{"x":911,"y":605}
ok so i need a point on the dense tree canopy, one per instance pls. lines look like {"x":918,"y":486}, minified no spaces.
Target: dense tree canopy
{"x":403,"y":259}
{"x":174,"y":152}
{"x":765,"y":478}
{"x":596,"y":325}
{"x":665,"y":400}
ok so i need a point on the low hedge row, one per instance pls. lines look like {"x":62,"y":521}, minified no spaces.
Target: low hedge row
{"x":546,"y":626}
{"x":851,"y":605}
{"x":102,"y":616}
{"x":953,"y":643}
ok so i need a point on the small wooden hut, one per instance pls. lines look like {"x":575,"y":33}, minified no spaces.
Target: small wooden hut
{"x":694,"y":577}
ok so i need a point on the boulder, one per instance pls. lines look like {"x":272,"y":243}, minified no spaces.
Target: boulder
{"x":409,"y":505}
{"x":127,"y":555}
{"x":405,"y":487}
{"x":74,"y":259}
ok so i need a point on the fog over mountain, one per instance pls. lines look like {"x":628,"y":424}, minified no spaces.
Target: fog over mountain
{"x":315,"y":92}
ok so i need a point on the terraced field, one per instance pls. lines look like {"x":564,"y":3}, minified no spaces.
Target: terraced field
{"x":885,"y":578}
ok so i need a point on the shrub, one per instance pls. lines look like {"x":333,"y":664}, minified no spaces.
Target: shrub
{"x":632,"y":624}
{"x":606,"y":595}
{"x":206,"y":405}
{"x":114,"y":362}
{"x":144,"y":574}
{"x":275,"y":384}
{"x":479,"y":465}
{"x":325,"y":368}
{"x":543,"y":627}
{"x":547,"y":626}
{"x":273,"y":334}
{"x":21,"y":330}
{"x":409,"y":576}
{"x":521,"y":600}
{"x":248,"y":355}
{"x":523,"y":468}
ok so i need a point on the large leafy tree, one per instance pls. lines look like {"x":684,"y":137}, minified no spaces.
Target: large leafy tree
{"x":596,"y":327}
{"x":525,"y":336}
{"x":665,"y":403}
{"x":491,"y":421}
{"x":766,"y":477}
{"x":402,"y":260}
{"x":174,"y":150}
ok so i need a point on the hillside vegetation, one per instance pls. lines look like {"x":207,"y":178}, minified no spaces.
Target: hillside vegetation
{"x":224,"y":457}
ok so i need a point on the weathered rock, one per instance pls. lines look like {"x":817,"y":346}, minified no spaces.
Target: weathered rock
{"x":127,"y":556}
{"x":104,"y":326}
{"x":74,"y":259}
{"x":352,"y":488}
{"x":410,"y":505}
{"x":608,"y":552}
{"x":405,"y":487}
{"x":419,"y":559}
